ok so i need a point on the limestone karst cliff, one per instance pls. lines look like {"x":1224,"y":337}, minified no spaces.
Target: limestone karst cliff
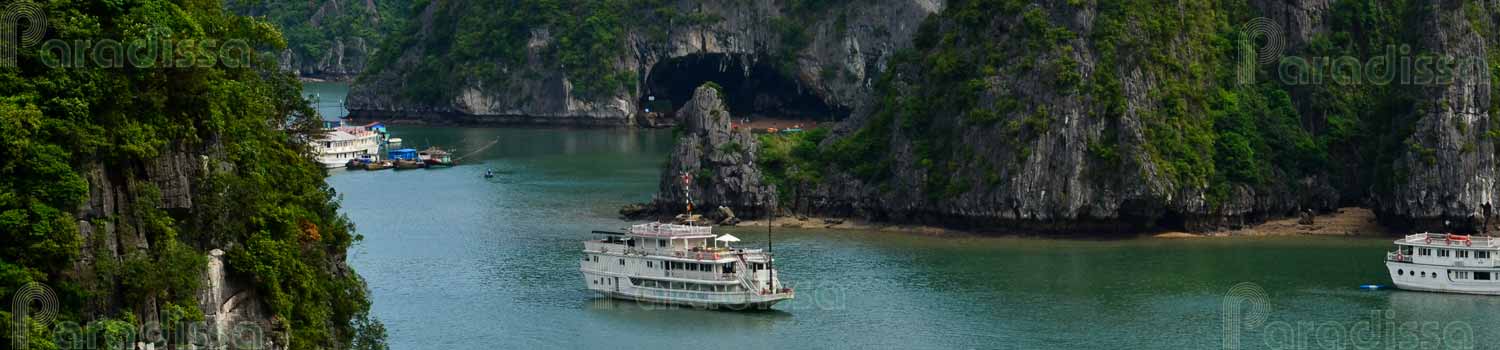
{"x":167,"y":207}
{"x":328,"y":39}
{"x":1101,"y":116}
{"x":595,"y":64}
{"x":1010,"y":114}
{"x":717,"y":160}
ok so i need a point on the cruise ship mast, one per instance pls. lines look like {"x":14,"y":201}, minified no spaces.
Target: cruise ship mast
{"x":770,"y":252}
{"x":687,"y":196}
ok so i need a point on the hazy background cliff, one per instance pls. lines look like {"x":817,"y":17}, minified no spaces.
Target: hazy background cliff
{"x":328,"y":39}
{"x":595,"y":62}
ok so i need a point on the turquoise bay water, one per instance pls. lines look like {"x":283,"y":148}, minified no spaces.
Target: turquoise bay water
{"x":457,"y":261}
{"x":327,"y":97}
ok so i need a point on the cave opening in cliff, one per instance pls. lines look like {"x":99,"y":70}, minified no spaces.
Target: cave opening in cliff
{"x":753,"y":88}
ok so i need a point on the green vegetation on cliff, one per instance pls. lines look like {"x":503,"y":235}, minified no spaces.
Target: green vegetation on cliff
{"x":312,"y":28}
{"x":792,"y":161}
{"x":76,"y":134}
{"x":486,"y":41}
{"x":497,"y":44}
{"x":1001,"y":67}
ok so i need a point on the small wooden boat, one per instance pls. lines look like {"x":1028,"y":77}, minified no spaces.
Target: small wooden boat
{"x":434,"y":156}
{"x":380,"y":165}
{"x":404,"y":164}
{"x":359,"y":162}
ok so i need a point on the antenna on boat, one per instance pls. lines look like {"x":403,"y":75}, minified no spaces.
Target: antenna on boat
{"x":687,"y":196}
{"x":770,"y":259}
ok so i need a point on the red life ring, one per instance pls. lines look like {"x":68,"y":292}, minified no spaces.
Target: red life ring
{"x":1468,"y":243}
{"x":1429,"y":240}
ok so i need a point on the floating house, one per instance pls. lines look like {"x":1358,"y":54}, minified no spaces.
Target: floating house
{"x":402,"y":154}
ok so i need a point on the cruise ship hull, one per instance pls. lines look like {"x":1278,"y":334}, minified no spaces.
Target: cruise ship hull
{"x":1434,"y":278}
{"x":620,"y":287}
{"x":747,"y":306}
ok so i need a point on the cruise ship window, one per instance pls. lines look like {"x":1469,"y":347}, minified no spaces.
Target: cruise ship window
{"x":661,"y":243}
{"x":1482,"y":255}
{"x":1481,"y":275}
{"x":1463,"y":253}
{"x":622,"y":262}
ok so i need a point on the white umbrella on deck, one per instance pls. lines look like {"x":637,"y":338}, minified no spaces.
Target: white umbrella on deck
{"x":726,"y":238}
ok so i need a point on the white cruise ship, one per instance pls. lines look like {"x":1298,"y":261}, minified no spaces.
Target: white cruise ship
{"x":683,"y":265}
{"x":345,"y":143}
{"x":1439,"y":262}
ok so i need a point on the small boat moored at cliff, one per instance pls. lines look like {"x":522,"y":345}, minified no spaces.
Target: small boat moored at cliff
{"x":434,"y":156}
{"x":1443,"y":262}
{"x":406,"y":164}
{"x":405,"y":158}
{"x":359,"y":163}
{"x":681,"y":265}
{"x":380,"y":165}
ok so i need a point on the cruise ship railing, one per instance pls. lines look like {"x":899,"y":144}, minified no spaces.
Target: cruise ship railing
{"x":669,"y":230}
{"x":745,"y":273}
{"x":1453,"y":240}
{"x":1397,"y":257}
{"x":700,"y":275}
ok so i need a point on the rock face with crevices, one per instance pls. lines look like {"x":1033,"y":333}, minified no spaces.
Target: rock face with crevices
{"x":109,"y":228}
{"x":232,"y":308}
{"x":1070,"y":129}
{"x":1450,"y":171}
{"x":840,"y":51}
{"x":718,"y":161}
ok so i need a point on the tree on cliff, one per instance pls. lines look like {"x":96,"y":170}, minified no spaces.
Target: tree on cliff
{"x":120,"y":169}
